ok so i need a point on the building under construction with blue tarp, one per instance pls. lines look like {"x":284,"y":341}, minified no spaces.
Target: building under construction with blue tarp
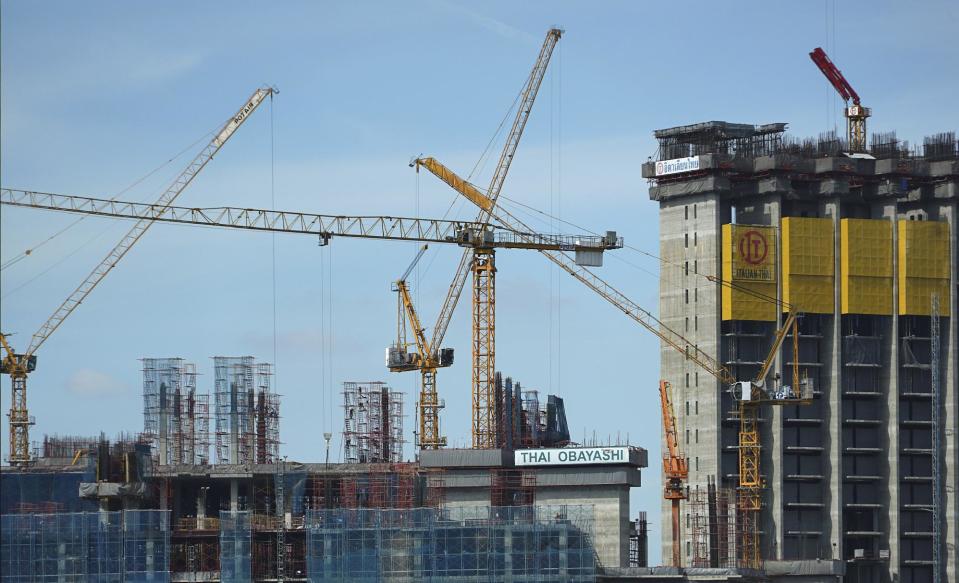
{"x":112,"y":513}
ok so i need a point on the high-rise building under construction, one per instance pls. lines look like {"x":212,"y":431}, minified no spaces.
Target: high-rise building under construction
{"x":863,"y":480}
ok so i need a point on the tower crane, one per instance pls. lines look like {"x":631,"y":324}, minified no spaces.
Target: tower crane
{"x":749,"y":395}
{"x":675,"y":467}
{"x":20,"y":365}
{"x":480,"y":262}
{"x":856,"y":113}
{"x":424,"y":359}
{"x":470,"y":235}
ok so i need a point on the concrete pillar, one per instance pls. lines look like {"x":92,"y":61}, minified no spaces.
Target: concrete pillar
{"x":164,"y":496}
{"x":234,"y":495}
{"x":831,"y":350}
{"x":234,"y":424}
{"x":201,"y":506}
{"x":889,"y":381}
{"x":949,"y":396}
{"x":163,"y":454}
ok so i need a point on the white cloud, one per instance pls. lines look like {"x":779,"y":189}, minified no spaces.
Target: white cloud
{"x":491,"y":24}
{"x":91,"y":383}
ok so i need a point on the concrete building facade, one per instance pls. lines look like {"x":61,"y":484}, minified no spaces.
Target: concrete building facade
{"x":865,"y":476}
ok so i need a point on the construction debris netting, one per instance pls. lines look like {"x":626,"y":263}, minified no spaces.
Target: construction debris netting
{"x":546,"y":543}
{"x":130,"y":545}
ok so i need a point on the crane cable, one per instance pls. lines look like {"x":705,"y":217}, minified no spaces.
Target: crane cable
{"x":457,"y":200}
{"x":273,"y":238}
{"x":29,"y":251}
{"x":712,"y":278}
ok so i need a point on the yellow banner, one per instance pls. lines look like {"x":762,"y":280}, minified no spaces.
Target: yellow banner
{"x":753,"y":253}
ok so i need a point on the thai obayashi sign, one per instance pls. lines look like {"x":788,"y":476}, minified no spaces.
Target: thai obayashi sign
{"x":677,"y":165}
{"x":753,"y":253}
{"x":571,"y":456}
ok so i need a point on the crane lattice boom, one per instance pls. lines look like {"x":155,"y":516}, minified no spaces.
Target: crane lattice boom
{"x":20,"y":420}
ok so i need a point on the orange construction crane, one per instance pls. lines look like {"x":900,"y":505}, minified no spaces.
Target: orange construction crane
{"x":675,"y":467}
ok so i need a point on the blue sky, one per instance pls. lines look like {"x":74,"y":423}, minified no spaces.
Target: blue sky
{"x":96,"y":95}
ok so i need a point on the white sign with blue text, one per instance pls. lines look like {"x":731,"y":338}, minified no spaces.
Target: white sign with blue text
{"x":677,"y":165}
{"x":571,"y":456}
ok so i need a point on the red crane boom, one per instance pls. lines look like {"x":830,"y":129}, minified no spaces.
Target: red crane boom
{"x":856,"y":113}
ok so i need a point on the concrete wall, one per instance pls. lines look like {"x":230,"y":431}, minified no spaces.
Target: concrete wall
{"x":842,"y":460}
{"x":690,"y":241}
{"x":610,"y":517}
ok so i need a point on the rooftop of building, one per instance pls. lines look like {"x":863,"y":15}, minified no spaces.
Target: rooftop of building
{"x":751,"y":140}
{"x":742,"y":160}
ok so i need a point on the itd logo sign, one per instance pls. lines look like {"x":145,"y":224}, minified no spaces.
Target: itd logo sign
{"x":753,"y":247}
{"x":753,"y":252}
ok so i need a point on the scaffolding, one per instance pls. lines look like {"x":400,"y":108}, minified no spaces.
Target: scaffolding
{"x":132,"y":545}
{"x":372,"y":423}
{"x":512,"y":487}
{"x":716,"y":527}
{"x":176,"y":419}
{"x":519,"y":543}
{"x":66,"y":446}
{"x":639,"y":542}
{"x":247,"y":411}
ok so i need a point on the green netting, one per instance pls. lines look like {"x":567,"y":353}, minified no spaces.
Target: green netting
{"x":102,"y":547}
{"x":519,"y":543}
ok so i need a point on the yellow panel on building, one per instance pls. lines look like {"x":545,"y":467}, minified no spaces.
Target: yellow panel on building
{"x":923,"y":267}
{"x":749,"y":263}
{"x":809,"y":268}
{"x":865,"y":266}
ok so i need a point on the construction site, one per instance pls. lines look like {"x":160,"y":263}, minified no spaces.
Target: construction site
{"x":809,"y":392}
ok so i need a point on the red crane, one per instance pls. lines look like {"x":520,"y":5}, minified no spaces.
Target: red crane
{"x":856,"y":113}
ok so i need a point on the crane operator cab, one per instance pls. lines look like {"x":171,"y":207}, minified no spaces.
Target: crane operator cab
{"x":779,"y":394}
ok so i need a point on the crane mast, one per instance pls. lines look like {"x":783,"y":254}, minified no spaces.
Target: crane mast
{"x":429,"y":436}
{"x":20,"y":420}
{"x":675,"y":467}
{"x":481,"y":263}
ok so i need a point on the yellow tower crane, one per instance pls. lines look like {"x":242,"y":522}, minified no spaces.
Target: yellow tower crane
{"x":466,"y":234}
{"x":480,"y":262}
{"x":749,"y":395}
{"x":19,"y":365}
{"x":399,"y":358}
